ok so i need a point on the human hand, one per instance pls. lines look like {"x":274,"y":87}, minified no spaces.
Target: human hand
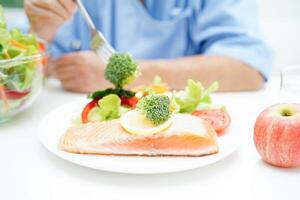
{"x":46,"y":16}
{"x":80,"y":72}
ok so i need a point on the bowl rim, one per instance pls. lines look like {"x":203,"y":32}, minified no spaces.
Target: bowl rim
{"x":35,"y":56}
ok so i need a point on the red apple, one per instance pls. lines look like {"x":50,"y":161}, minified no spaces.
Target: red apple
{"x":277,"y":135}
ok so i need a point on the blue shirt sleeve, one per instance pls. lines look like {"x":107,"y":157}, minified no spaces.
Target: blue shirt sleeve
{"x":63,"y":39}
{"x":74,"y":35}
{"x":230,"y":28}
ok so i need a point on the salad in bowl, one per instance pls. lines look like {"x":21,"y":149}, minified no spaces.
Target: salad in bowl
{"x":22,"y":61}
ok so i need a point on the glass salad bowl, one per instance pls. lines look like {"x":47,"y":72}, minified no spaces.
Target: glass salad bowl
{"x":21,"y":79}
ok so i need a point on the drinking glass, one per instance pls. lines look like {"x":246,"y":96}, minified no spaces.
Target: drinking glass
{"x":290,"y":84}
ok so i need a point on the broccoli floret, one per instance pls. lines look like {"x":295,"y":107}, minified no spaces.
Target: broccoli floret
{"x":121,"y":69}
{"x":156,"y":108}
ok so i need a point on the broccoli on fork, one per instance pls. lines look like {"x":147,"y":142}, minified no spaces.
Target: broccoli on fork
{"x":121,"y":69}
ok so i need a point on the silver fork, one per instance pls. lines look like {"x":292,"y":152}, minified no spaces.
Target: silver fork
{"x":98,"y":43}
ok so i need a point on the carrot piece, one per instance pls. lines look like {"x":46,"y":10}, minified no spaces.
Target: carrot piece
{"x":18,"y":44}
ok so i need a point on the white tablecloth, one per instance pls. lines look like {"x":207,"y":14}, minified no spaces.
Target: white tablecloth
{"x":29,"y":172}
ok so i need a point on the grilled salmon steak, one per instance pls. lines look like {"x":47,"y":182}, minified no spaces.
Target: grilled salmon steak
{"x":187,"y":136}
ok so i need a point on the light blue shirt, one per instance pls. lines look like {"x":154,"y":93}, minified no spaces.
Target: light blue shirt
{"x":171,"y":28}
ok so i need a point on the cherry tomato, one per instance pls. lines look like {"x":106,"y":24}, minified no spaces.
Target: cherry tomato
{"x":131,"y":102}
{"x":44,"y":59}
{"x":87,"y":109}
{"x":42,"y":47}
{"x":218,"y":118}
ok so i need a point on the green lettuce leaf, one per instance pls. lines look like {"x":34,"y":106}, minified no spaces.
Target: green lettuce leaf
{"x":193,"y":95}
{"x":4,"y":36}
{"x":26,"y":39}
{"x":76,"y":121}
{"x":2,"y":19}
{"x":109,"y":108}
{"x":208,"y":106}
{"x":4,"y":33}
{"x":157,"y":80}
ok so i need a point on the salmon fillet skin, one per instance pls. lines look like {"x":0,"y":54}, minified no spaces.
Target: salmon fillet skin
{"x":187,"y":136}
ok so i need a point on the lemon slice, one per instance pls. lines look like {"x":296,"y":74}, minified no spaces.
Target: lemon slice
{"x":134,"y":122}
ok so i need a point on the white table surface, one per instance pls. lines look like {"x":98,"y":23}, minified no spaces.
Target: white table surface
{"x":29,"y":172}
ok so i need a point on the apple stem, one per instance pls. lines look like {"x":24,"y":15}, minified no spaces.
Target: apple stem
{"x":287,"y":112}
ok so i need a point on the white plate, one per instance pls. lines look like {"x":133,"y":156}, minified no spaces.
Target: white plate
{"x":56,"y":122}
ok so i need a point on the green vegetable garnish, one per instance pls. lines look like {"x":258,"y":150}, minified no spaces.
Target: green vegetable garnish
{"x":206,"y":98}
{"x":209,"y":106}
{"x":156,"y":108}
{"x":157,"y":80}
{"x":120,"y":92}
{"x":193,"y":95}
{"x":2,"y":19}
{"x":109,"y":108}
{"x":121,"y":70}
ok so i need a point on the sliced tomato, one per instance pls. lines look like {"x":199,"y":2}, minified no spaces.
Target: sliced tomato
{"x":218,"y":118}
{"x":87,"y":109}
{"x":12,"y":94}
{"x":131,"y":102}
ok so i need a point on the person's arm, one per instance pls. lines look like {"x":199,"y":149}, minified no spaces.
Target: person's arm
{"x":232,"y":74}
